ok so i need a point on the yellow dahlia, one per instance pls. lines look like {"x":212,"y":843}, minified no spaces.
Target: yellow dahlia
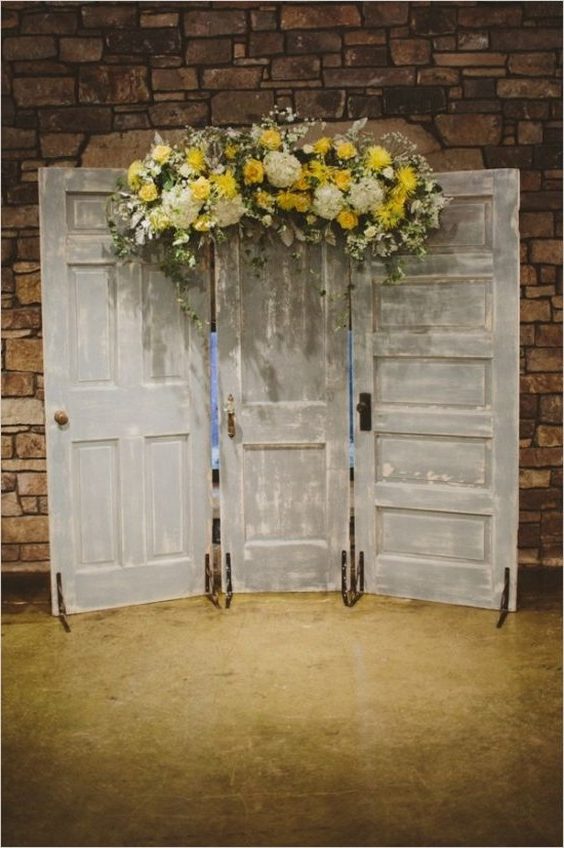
{"x":271,"y":139}
{"x":148,"y":192}
{"x":342,"y":178}
{"x":345,"y":150}
{"x":253,"y":171}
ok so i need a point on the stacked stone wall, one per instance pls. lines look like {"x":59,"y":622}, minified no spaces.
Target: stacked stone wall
{"x":476,"y":85}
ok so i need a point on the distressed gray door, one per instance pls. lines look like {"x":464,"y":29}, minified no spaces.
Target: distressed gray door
{"x":129,"y":474}
{"x":284,"y":473}
{"x":436,"y":477}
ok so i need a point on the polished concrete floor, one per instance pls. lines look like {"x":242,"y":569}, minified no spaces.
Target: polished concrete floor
{"x":287,"y":720}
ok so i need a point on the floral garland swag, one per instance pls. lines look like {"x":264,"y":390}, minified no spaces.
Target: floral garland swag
{"x":377,"y":199}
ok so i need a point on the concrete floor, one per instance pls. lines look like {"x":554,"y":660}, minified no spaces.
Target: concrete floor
{"x":288,"y":720}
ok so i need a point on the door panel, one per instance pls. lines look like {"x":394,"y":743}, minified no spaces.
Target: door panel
{"x":284,"y":475}
{"x":436,"y":478}
{"x":129,"y":475}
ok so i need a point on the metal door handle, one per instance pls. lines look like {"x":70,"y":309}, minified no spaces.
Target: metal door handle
{"x":61,"y":417}
{"x":230,"y":410}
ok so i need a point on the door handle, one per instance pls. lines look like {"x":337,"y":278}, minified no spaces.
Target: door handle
{"x":364,"y":409}
{"x":230,"y":410}
{"x":61,"y":417}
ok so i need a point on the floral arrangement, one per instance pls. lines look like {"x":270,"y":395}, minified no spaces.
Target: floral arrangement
{"x":378,"y":199}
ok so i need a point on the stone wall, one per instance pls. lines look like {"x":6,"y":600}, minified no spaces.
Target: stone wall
{"x":476,"y":85}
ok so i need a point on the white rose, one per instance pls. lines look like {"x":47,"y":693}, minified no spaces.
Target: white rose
{"x":229,"y":211}
{"x":282,"y":169}
{"x":327,"y":201}
{"x":181,"y":206}
{"x":365,"y":195}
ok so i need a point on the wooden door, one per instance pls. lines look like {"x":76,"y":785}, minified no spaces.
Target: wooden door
{"x":283,"y":361}
{"x":129,"y":475}
{"x":436,"y":477}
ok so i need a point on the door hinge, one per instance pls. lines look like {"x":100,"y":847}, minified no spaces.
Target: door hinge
{"x":354,"y":594}
{"x":228,"y":582}
{"x":210,"y":592}
{"x":364,"y":409}
{"x":61,"y":603}
{"x":504,"y":605}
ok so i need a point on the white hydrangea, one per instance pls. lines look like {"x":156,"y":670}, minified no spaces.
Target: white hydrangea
{"x":282,"y":169}
{"x":365,"y":194}
{"x":228,"y":211}
{"x":180,"y":206}
{"x":328,"y":201}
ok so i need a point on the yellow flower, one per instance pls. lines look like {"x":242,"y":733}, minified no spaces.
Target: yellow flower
{"x":396,"y":201}
{"x":264,"y":200}
{"x":159,"y":220}
{"x":302,"y":202}
{"x":347,"y":219}
{"x":201,"y":188}
{"x":133,"y":178}
{"x":161,"y":153}
{"x":311,"y":219}
{"x":231,"y":151}
{"x":377,"y":158}
{"x":253,"y":171}
{"x":318,"y":170}
{"x":226,"y":184}
{"x":342,"y":179}
{"x":196,"y":159}
{"x":345,"y":150}
{"x":148,"y":192}
{"x":203,"y":224}
{"x":323,"y":145}
{"x":303,"y":183}
{"x":386,"y":216}
{"x":286,"y":200}
{"x":407,"y":179}
{"x":271,"y":138}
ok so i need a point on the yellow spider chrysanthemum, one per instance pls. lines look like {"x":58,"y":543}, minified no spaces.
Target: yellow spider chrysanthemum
{"x":406,"y":179}
{"x":161,"y":153}
{"x":201,"y":188}
{"x":196,"y":159}
{"x":231,"y":151}
{"x":342,"y":178}
{"x":148,"y":192}
{"x":226,"y":184}
{"x":386,"y":216}
{"x":323,"y":145}
{"x":253,"y":171}
{"x":133,"y":178}
{"x":345,"y":150}
{"x":347,"y":219}
{"x":318,"y":171}
{"x":271,"y":139}
{"x":377,"y":158}
{"x":264,"y":200}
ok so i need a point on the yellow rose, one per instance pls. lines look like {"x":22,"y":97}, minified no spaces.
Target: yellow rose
{"x":406,"y":179}
{"x":286,"y":200}
{"x":148,"y":192}
{"x":201,"y":188}
{"x":377,"y":158}
{"x":226,"y":184}
{"x":159,"y":220}
{"x":161,"y":153}
{"x":196,"y":159}
{"x":271,"y":139}
{"x":303,"y":183}
{"x":302,"y":202}
{"x":342,"y":179}
{"x":347,"y":219}
{"x":264,"y":200}
{"x":253,"y":171}
{"x":231,"y":151}
{"x":133,"y":178}
{"x":345,"y":150}
{"x":323,"y":145}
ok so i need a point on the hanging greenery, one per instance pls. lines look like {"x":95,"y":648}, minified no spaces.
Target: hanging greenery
{"x":378,"y":199}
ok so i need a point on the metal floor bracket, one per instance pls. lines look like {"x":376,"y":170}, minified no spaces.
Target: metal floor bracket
{"x":228,"y":582}
{"x":61,"y":603}
{"x":354,"y":594}
{"x":504,"y":606}
{"x":210,"y":592}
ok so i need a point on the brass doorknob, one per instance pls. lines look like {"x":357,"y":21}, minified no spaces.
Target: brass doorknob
{"x":61,"y":417}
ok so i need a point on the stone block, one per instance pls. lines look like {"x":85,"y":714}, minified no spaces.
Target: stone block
{"x":536,"y":224}
{"x":24,"y":355}
{"x":534,"y":478}
{"x":25,"y":529}
{"x":385,"y":14}
{"x":30,"y":445}
{"x":232,"y":78}
{"x":544,"y":359}
{"x":526,"y":38}
{"x":364,"y":106}
{"x":96,"y":119}
{"x":29,"y":47}
{"x":17,"y":384}
{"x":113,"y":84}
{"x":547,"y":251}
{"x":81,"y":49}
{"x":44,"y":91}
{"x":410,"y":51}
{"x":551,"y":525}
{"x":174,"y":79}
{"x":490,"y":15}
{"x":414,"y":100}
{"x":540,"y":457}
{"x":29,"y":505}
{"x":263,"y":19}
{"x":528,"y":535}
{"x":37,"y":551}
{"x":51,"y":22}
{"x":508,"y":156}
{"x":28,"y":288}
{"x":179,"y":114}
{"x":551,"y":409}
{"x":21,"y":319}
{"x":211,"y":22}
{"x":434,"y":20}
{"x":528,"y":88}
{"x":8,"y":481}
{"x":549,"y":435}
{"x":32,"y":483}
{"x":320,"y":104}
{"x":117,"y":150}
{"x":366,"y":55}
{"x":61,"y":145}
{"x":326,"y":41}
{"x":473,"y":40}
{"x":549,"y":335}
{"x":368,"y":77}
{"x":7,"y":447}
{"x":471,"y":60}
{"x":295,"y":67}
{"x":319,"y":15}
{"x":532,"y":64}
{"x":14,"y":138}
{"x":541,"y":383}
{"x":11,"y":504}
{"x":20,"y":216}
{"x":240,"y":107}
{"x":109,"y":15}
{"x":10,"y":553}
{"x":438,"y":76}
{"x":146,"y":41}
{"x":548,"y":156}
{"x":157,"y":20}
{"x":465,"y":129}
{"x":209,"y":51}
{"x":265,"y":43}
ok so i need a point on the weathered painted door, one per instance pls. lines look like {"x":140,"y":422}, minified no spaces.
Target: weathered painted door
{"x":129,"y":474}
{"x":283,"y":387}
{"x":436,"y":475}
